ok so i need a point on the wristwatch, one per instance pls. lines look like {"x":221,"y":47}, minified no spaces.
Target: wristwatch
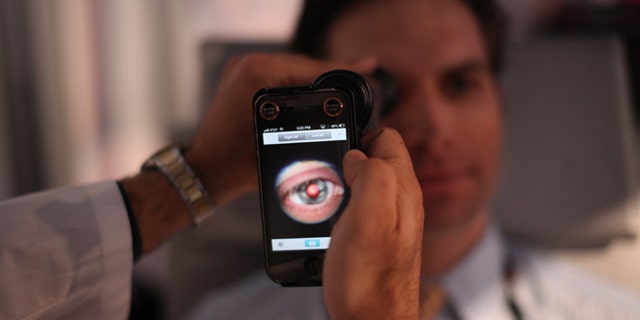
{"x":171,"y":162}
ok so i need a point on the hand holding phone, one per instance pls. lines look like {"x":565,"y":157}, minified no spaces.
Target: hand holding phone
{"x":302,"y":134}
{"x":372,"y":269}
{"x":222,"y":151}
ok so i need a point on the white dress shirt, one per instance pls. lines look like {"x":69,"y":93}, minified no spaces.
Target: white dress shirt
{"x":544,"y":287}
{"x":475,"y":285}
{"x":66,"y":254}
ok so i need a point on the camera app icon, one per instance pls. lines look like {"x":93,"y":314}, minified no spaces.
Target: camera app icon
{"x":312,"y":243}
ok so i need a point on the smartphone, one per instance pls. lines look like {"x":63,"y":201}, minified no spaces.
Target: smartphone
{"x":302,"y":134}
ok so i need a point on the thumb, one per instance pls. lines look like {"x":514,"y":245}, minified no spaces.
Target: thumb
{"x":350,"y":165}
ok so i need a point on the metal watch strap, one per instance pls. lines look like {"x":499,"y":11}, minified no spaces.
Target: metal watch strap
{"x":171,"y":162}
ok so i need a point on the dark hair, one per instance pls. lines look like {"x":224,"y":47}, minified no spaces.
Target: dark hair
{"x":317,"y":16}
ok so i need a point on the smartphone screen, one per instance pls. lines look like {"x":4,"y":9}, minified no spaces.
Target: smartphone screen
{"x":302,"y":138}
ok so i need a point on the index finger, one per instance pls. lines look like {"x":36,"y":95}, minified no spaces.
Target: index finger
{"x":388,"y":145}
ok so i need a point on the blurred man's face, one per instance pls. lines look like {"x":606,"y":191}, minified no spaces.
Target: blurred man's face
{"x":448,"y":112}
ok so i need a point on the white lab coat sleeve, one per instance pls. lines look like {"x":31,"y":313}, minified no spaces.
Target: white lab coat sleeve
{"x":66,"y":254}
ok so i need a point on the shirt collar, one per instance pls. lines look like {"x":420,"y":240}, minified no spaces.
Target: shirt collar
{"x":475,"y":285}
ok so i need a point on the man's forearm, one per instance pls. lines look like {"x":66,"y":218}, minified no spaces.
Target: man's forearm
{"x":157,"y":207}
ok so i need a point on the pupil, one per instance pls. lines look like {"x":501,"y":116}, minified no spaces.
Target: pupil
{"x":313,"y":190}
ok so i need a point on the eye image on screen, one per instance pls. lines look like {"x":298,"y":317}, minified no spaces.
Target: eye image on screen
{"x":309,"y":191}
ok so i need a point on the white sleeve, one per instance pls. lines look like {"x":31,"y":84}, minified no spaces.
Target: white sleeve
{"x":66,"y":254}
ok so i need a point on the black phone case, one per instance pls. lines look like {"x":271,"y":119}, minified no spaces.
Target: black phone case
{"x":304,"y":268}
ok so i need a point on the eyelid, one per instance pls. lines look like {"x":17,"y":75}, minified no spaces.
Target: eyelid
{"x":467,"y":67}
{"x":319,"y":173}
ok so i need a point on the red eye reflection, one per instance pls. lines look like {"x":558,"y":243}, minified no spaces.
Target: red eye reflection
{"x":309,"y":191}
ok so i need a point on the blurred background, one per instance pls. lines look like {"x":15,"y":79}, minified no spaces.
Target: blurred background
{"x":89,"y":89}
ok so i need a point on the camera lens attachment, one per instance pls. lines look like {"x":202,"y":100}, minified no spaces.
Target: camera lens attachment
{"x":355,"y":85}
{"x":269,"y":110}
{"x":333,"y":107}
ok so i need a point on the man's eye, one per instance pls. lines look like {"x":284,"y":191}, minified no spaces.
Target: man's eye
{"x":309,"y":191}
{"x":312,"y":192}
{"x":457,"y":85}
{"x":386,"y":90}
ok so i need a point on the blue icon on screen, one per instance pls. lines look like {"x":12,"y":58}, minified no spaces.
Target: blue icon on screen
{"x":312,"y":243}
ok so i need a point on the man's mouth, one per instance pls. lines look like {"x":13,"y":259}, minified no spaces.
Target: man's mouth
{"x":444,"y":183}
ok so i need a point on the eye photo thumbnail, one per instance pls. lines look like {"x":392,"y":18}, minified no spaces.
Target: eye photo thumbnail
{"x":309,"y":191}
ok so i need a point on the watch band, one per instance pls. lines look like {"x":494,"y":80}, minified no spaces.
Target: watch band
{"x":171,"y":162}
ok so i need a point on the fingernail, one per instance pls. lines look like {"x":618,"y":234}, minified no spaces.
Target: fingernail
{"x":355,"y":155}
